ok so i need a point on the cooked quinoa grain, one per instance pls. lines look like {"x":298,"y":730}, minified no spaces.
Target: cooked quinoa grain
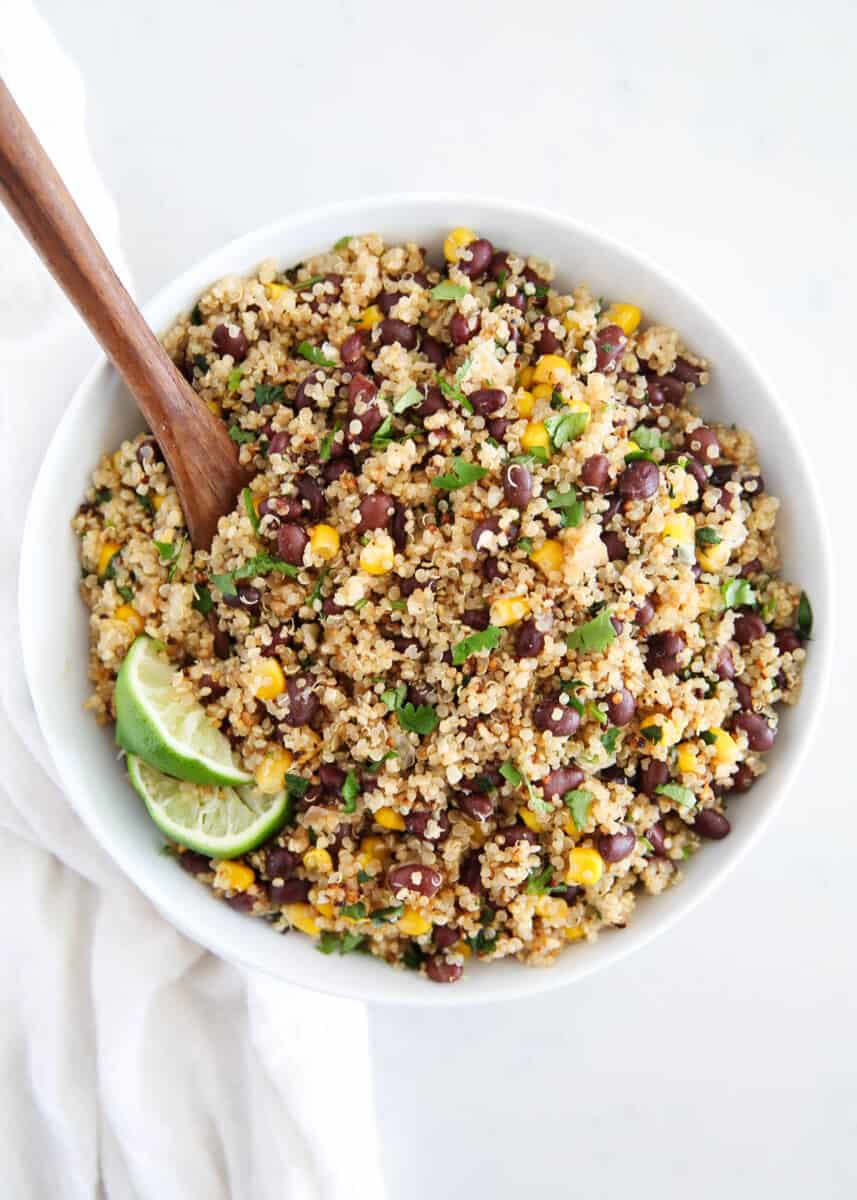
{"x":497,"y":594}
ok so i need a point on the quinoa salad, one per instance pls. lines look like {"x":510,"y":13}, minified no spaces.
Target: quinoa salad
{"x":498,"y":614}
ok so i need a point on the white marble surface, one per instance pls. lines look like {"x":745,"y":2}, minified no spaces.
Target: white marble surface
{"x":720,"y":140}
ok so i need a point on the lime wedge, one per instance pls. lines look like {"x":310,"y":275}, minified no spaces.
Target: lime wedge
{"x":220,"y":822}
{"x":167,"y":729}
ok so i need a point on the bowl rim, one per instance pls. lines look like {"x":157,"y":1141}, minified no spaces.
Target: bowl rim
{"x":521,"y":983}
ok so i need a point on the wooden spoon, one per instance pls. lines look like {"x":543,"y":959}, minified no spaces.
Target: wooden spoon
{"x":202,"y":460}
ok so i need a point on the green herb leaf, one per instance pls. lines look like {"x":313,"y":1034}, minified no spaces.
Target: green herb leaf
{"x":804,"y":616}
{"x":487,"y":639}
{"x":399,"y":605}
{"x":307,"y":283}
{"x":649,"y":439}
{"x":678,"y":794}
{"x":343,"y":943}
{"x":202,"y":600}
{"x":653,"y":734}
{"x":317,"y":593}
{"x":196,"y":317}
{"x":372,"y":767}
{"x":234,"y":380}
{"x":354,"y":911}
{"x":146,"y":503}
{"x":296,"y":786}
{"x":343,"y":242}
{"x":241,"y":436}
{"x":126,"y":593}
{"x":167,"y":550}
{"x":593,"y":636}
{"x":461,"y":475}
{"x":539,"y":882}
{"x":382,"y":916}
{"x":453,"y":391}
{"x":595,"y":713}
{"x":609,"y":739}
{"x":350,"y":792}
{"x":447,"y":290}
{"x":568,"y":504}
{"x":708,"y":537}
{"x":412,"y":957}
{"x":247,"y":497}
{"x":261,"y":564}
{"x":103,"y":495}
{"x":326,"y":448}
{"x":395,"y":697}
{"x":312,"y":354}
{"x":738,"y":593}
{"x":383,"y":434}
{"x":201,"y":363}
{"x":708,"y":737}
{"x":511,"y":774}
{"x":268,"y":393}
{"x":565,"y":426}
{"x":421,"y":719}
{"x":578,"y":802}
{"x":570,"y":687}
{"x":525,"y":544}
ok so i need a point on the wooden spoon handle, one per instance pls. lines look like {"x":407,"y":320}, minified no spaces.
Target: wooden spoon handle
{"x":201,"y":458}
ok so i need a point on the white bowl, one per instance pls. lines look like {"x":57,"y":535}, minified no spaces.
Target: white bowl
{"x":54,"y":621}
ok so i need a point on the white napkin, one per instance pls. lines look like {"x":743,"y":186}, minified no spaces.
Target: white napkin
{"x":132,"y":1062}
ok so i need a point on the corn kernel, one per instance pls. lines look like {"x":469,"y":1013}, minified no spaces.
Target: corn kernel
{"x":574,"y":933}
{"x":318,"y":861}
{"x":548,"y":557}
{"x":325,"y":910}
{"x":271,"y":772}
{"x":269,"y":679}
{"x":525,"y":376}
{"x":377,"y":558}
{"x":233,"y":876}
{"x":669,"y":732}
{"x":130,"y":616}
{"x":726,"y":749}
{"x":551,"y":368}
{"x":455,"y":241}
{"x":370,"y":317}
{"x":680,"y":530}
{"x":571,"y":829}
{"x":578,"y":406}
{"x":526,"y":402}
{"x":214,"y":406}
{"x":388,"y":818}
{"x":536,"y":437}
{"x":713,"y":558}
{"x":686,"y":758}
{"x":108,"y":550}
{"x":413,"y":923}
{"x":543,"y":391}
{"x":302,"y":917}
{"x":552,"y":908}
{"x":275,"y":290}
{"x":373,"y":851}
{"x":530,"y":819}
{"x":462,"y":948}
{"x":585,"y":866}
{"x":626,"y":316}
{"x":157,"y":501}
{"x":509,"y":609}
{"x":324,"y":541}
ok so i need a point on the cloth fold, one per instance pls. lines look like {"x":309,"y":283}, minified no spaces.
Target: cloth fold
{"x":134,"y":1064}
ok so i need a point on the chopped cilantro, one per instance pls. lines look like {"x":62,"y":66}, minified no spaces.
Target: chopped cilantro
{"x":326,"y":447}
{"x":568,"y":504}
{"x":381,"y":916}
{"x":412,"y":956}
{"x":383,"y":434}
{"x":364,"y":877}
{"x":539,"y":882}
{"x":595,"y":635}
{"x":447,"y":290}
{"x":241,"y":436}
{"x":483,"y":942}
{"x":525,"y":544}
{"x":196,"y":315}
{"x":678,"y":794}
{"x":421,"y":719}
{"x":261,"y":564}
{"x":314,"y":355}
{"x":308,"y":283}
{"x":649,"y":439}
{"x":343,"y":242}
{"x":570,"y":687}
{"x":453,"y":391}
{"x":708,"y":737}
{"x":737,"y":593}
{"x":578,"y":802}
{"x":609,"y":739}
{"x":595,"y":713}
{"x":234,"y":380}
{"x":517,"y":778}
{"x":201,"y":363}
{"x":316,"y":593}
{"x":202,"y":600}
{"x":648,"y":848}
{"x":268,"y":393}
{"x":126,"y":593}
{"x":167,"y":550}
{"x":344,"y":943}
{"x":487,"y":639}
{"x":250,"y":508}
{"x":372,"y":767}
{"x":350,"y":792}
{"x":147,"y":503}
{"x":565,"y":426}
{"x":103,"y":495}
{"x":461,"y":475}
{"x":354,"y":912}
{"x":804,"y":616}
{"x":395,"y":697}
{"x":652,"y":733}
{"x":511,"y":774}
{"x":399,"y":605}
{"x":708,"y":537}
{"x":296,"y":786}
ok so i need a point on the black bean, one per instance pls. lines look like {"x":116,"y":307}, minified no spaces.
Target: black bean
{"x":314,"y":503}
{"x":497,"y":427}
{"x":478,"y":537}
{"x":486,"y":401}
{"x":470,"y":872}
{"x":417,"y":822}
{"x":702,"y":443}
{"x":445,"y":936}
{"x":193,"y":863}
{"x":613,"y":847}
{"x":639,"y":480}
{"x":303,"y":702}
{"x":722,"y":474}
{"x":711,"y":824}
{"x":279,"y":862}
{"x":414,"y":877}
{"x":663,"y":650}
{"x":560,"y":781}
{"x":399,"y":527}
{"x":491,"y":568}
{"x":292,"y":540}
{"x":517,"y":485}
{"x":331,"y":778}
{"x":336,"y":468}
{"x":749,"y":627}
{"x":654,"y":775}
{"x":376,"y":511}
{"x":744,"y":694}
{"x":386,"y":301}
{"x":760,"y":736}
{"x":743,"y":779}
{"x":788,"y":640}
{"x":279,"y":443}
{"x":752,"y":485}
{"x":656,"y":837}
{"x":725,"y":665}
{"x":441,"y":971}
{"x":476,"y":805}
{"x":610,"y":343}
{"x":351,"y":350}
{"x":615,"y":545}
{"x":595,"y":472}
{"x":551,"y":715}
{"x":548,"y":342}
{"x":499,"y":264}
{"x":656,"y":395}
{"x":645,"y":613}
{"x":686,"y":372}
{"x":621,"y":706}
{"x":511,"y":835}
{"x":673,"y":389}
{"x":148,"y":453}
{"x":475,"y":618}
{"x":231,"y":339}
{"x":462,"y":329}
{"x":302,"y":400}
{"x":433,"y":350}
{"x":392,"y":330}
{"x":529,"y":640}
{"x":290,"y":891}
{"x":481,"y":252}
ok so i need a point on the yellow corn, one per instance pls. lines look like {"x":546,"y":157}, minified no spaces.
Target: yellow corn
{"x":275,"y":290}
{"x":542,"y":391}
{"x":373,"y":851}
{"x":571,"y":829}
{"x":157,"y":501}
{"x":462,"y":948}
{"x":509,"y":609}
{"x":130,"y":616}
{"x":626,"y":316}
{"x":271,"y":772}
{"x":324,"y":910}
{"x":455,"y":241}
{"x":530,"y":819}
{"x":269,"y":679}
{"x":324,"y":541}
{"x":686,"y":758}
{"x":713,"y":558}
{"x":370,"y":317}
{"x":388,"y":818}
{"x":669,"y":732}
{"x":233,"y":876}
{"x":536,"y":437}
{"x":726,"y":749}
{"x":578,"y":406}
{"x":377,"y":558}
{"x":680,"y":530}
{"x":526,"y":402}
{"x":551,"y":368}
{"x":548,"y":557}
{"x":552,"y":908}
{"x":104,"y":558}
{"x":525,"y":376}
{"x":413,"y":923}
{"x":574,"y":933}
{"x":214,"y":406}
{"x":302,"y":917}
{"x":585,"y":866}
{"x":318,"y":861}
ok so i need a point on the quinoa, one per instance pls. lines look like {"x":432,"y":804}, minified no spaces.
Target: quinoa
{"x":515,"y":636}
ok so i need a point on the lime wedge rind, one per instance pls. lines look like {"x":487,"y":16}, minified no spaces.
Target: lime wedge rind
{"x":219,"y":822}
{"x":168,"y":730}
